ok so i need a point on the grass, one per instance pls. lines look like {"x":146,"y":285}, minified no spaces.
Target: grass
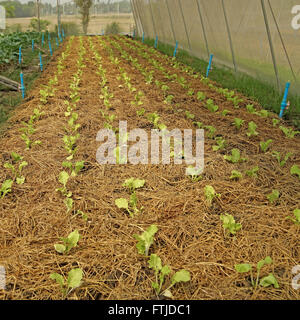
{"x":263,"y":93}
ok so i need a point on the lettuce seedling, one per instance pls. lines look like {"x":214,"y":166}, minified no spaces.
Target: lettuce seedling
{"x":264,"y":282}
{"x":73,"y":281}
{"x":201,"y":96}
{"x":194,"y":173}
{"x":133,"y":184}
{"x":17,"y":173}
{"x":225,"y":112}
{"x":252,"y":129}
{"x":29,"y":143}
{"x":250,"y":108}
{"x":236,"y":175}
{"x":296,"y":218}
{"x":295,"y":170}
{"x":238,"y":123}
{"x":75,"y":169}
{"x":211,"y":106}
{"x":229,"y":224}
{"x":141,"y":112}
{"x":211,"y":131}
{"x":73,"y":126}
{"x":275,"y":122}
{"x":145,"y":240}
{"x":210,"y":194}
{"x":289,"y":132}
{"x":200,"y":125}
{"x":252,"y":172}
{"x":221,"y":144}
{"x":282,"y":162}
{"x":69,"y":242}
{"x":235,"y":156}
{"x":6,"y":188}
{"x":265,"y":145}
{"x":70,"y":142}
{"x":274,"y":196}
{"x":63,"y":179}
{"x":189,"y":115}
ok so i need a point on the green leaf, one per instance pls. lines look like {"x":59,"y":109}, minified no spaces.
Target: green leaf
{"x":58,"y":278}
{"x":236,"y":175}
{"x":155,"y":263}
{"x":60,"y":248}
{"x":20,"y":180}
{"x":69,"y":203}
{"x":269,"y":281}
{"x":134,"y":184}
{"x":74,"y":278}
{"x":181,"y":276}
{"x":122,"y":203}
{"x":63,"y":178}
{"x":145,"y":240}
{"x":265,"y":145}
{"x":252,"y":172}
{"x":243,"y":268}
{"x":16,"y":157}
{"x":272,"y":197}
{"x":295,"y":170}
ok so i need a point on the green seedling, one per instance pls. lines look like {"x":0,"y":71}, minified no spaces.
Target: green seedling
{"x":133,"y":184}
{"x":6,"y":188}
{"x":73,"y":126}
{"x":69,"y":243}
{"x":75,"y":169}
{"x":265,"y":145}
{"x":263,"y":113}
{"x":82,"y":214}
{"x":201,"y":96}
{"x":235,"y":156}
{"x":252,"y":129}
{"x":211,"y":131}
{"x":282,"y":162}
{"x":275,"y":122}
{"x":289,"y":132}
{"x":274,"y":196}
{"x":200,"y":125}
{"x":210,"y":194}
{"x":189,"y":115}
{"x":264,"y":282}
{"x":236,"y":101}
{"x":229,"y":224}
{"x":169,"y":99}
{"x":145,"y":240}
{"x":29,"y":143}
{"x":191,"y":92}
{"x":17,"y":173}
{"x":221,"y":144}
{"x":36,"y":116}
{"x":250,"y":108}
{"x":153,"y":118}
{"x":73,"y":281}
{"x":194,"y":173}
{"x":138,"y":99}
{"x":236,"y":175}
{"x":238,"y":123}
{"x":160,"y":274}
{"x":225,"y":112}
{"x":211,"y":106}
{"x":141,"y":112}
{"x":63,"y":179}
{"x":296,"y":218}
{"x":253,"y":172}
{"x":70,"y":142}
{"x":295,"y":170}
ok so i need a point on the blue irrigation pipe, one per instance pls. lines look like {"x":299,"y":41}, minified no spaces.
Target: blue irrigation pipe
{"x":57,"y":43}
{"x":41,"y":62}
{"x":22,"y":85}
{"x":50,"y":48}
{"x":209,"y":68}
{"x":284,"y":101}
{"x":32,"y":45}
{"x":143,"y":38}
{"x":133,"y":33}
{"x":20,"y":55}
{"x":43,"y":39}
{"x":63,"y":33}
{"x":156,"y":42}
{"x":175,"y":50}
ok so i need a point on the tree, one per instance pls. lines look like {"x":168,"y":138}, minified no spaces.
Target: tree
{"x":84,"y":9}
{"x":10,"y":10}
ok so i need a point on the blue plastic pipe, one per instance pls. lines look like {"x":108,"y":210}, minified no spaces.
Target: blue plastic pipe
{"x":143,"y":38}
{"x":175,"y":51}
{"x":63,"y":33}
{"x":50,"y":48}
{"x":209,"y":65}
{"x":156,"y":42}
{"x":41,"y":62}
{"x":32,"y":45}
{"x":20,"y":55}
{"x":133,"y":34}
{"x":43,"y":39}
{"x":57,"y":44}
{"x":284,"y":101}
{"x":22,"y":85}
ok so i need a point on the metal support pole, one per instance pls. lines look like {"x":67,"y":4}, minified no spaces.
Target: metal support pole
{"x":203,"y":28}
{"x":270,"y":43}
{"x":185,"y":27}
{"x":229,"y":36}
{"x":152,"y":17}
{"x":171,"y":21}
